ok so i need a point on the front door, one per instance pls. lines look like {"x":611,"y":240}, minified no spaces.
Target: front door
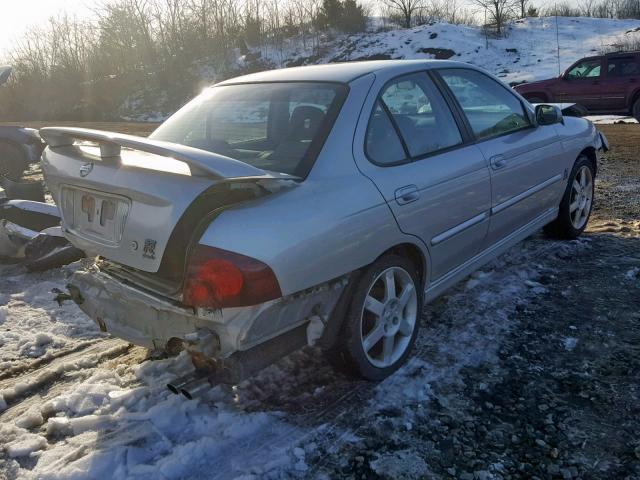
{"x":582,"y":83}
{"x":437,"y":187}
{"x":525,"y":160}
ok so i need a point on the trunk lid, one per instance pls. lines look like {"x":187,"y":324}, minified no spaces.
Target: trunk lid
{"x":122,"y":197}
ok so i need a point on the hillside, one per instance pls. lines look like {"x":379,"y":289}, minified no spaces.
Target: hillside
{"x":528,"y":53}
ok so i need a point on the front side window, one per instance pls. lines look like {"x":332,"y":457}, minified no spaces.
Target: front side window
{"x":413,"y":108}
{"x":584,"y":69}
{"x":623,"y":67}
{"x":272,"y":126}
{"x":491,"y":109}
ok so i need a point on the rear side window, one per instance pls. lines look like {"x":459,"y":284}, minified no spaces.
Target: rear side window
{"x":491,"y":109}
{"x":411,"y":118}
{"x":382,"y":144}
{"x":623,"y":67}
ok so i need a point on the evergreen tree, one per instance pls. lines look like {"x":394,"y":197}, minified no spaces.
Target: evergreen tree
{"x":346,"y":16}
{"x":353,"y":17}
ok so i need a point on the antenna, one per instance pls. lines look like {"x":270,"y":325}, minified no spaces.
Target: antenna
{"x":557,"y":39}
{"x":486,"y":33}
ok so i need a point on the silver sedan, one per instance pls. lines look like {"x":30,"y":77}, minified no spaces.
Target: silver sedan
{"x":321,"y":205}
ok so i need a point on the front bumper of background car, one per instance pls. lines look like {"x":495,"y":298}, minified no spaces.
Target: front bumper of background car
{"x":604,"y":143}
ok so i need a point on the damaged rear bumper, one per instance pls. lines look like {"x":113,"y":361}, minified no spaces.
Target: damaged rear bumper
{"x":156,"y":322}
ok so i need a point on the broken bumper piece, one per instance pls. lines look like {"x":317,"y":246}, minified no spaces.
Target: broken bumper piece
{"x":159,"y":323}
{"x":604,"y":143}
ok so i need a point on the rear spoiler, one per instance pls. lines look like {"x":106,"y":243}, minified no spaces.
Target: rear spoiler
{"x":200,"y":162}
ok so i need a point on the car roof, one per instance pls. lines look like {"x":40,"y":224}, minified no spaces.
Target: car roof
{"x":620,"y":53}
{"x":337,"y":72}
{"x":623,"y":53}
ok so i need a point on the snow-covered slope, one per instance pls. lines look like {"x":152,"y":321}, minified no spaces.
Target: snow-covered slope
{"x":529,"y":51}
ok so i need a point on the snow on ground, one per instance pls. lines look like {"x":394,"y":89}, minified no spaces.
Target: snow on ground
{"x":609,"y":119}
{"x":116,"y":419}
{"x":31,"y":324}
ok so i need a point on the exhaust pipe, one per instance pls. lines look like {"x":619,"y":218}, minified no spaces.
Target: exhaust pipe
{"x":176,"y":384}
{"x":196,"y":386}
{"x":238,"y":366}
{"x":192,"y":384}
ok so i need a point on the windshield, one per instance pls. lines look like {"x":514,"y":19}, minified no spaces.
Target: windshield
{"x":274,"y":126}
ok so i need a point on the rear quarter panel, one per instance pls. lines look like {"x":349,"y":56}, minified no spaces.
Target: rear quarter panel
{"x":310,"y":234}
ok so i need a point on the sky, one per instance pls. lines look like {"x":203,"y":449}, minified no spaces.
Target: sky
{"x":16,"y":16}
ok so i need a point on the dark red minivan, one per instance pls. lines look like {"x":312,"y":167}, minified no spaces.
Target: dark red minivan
{"x":608,"y":84}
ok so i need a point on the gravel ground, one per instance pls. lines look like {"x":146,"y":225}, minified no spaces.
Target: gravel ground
{"x":562,"y":400}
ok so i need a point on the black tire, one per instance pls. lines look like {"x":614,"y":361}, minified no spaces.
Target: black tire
{"x":635,"y":109}
{"x":12,"y":161}
{"x":563,"y":227}
{"x":348,"y":352}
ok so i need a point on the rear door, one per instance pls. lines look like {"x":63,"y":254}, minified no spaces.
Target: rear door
{"x":436,"y":184}
{"x":582,"y":83}
{"x":622,"y":79}
{"x":525,"y":161}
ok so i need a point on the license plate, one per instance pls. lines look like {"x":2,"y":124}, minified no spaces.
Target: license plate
{"x":97,"y":216}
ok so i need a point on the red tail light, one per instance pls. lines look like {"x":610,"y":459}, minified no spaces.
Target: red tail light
{"x":220,"y":279}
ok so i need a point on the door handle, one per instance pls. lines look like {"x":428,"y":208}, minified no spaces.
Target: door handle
{"x":497,"y":162}
{"x":407,"y":194}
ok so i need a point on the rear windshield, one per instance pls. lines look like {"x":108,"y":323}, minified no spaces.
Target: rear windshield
{"x":278,"y":127}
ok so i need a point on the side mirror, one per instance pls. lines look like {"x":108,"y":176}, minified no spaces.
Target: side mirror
{"x":548,"y":114}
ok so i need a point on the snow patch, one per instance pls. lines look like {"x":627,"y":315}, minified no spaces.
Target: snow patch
{"x":26,"y":445}
{"x":400,"y":464}
{"x":632,"y":274}
{"x":610,"y":119}
{"x":569,"y":343}
{"x":30,"y":419}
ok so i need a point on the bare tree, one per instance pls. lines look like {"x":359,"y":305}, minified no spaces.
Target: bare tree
{"x":407,"y":9}
{"x":524,"y":6}
{"x":449,"y":11}
{"x":498,"y":11}
{"x":587,"y":7}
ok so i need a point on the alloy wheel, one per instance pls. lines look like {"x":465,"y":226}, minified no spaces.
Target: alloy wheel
{"x":388,"y":317}
{"x":581,"y":197}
